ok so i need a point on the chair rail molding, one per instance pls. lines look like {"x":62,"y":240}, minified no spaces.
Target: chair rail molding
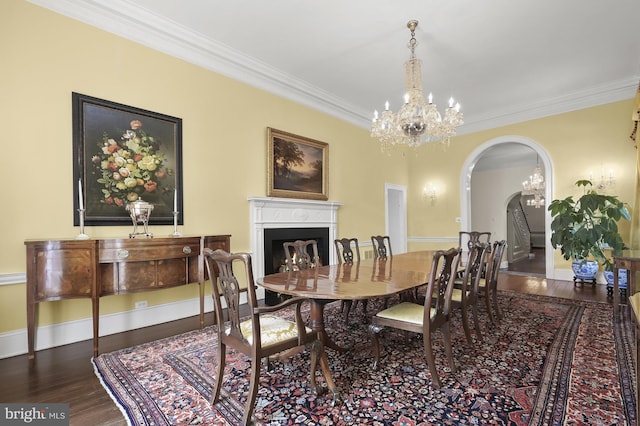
{"x":9,"y":279}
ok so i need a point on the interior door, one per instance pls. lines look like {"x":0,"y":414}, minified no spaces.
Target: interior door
{"x":396,"y":217}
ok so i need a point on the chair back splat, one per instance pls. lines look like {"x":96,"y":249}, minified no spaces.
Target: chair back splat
{"x":469,"y":239}
{"x":347,"y":250}
{"x":301,"y":254}
{"x":262,"y":334}
{"x":381,"y":246}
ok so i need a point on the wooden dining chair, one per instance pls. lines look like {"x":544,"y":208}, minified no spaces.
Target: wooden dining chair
{"x":348,"y":252}
{"x":465,"y":293}
{"x":381,"y":251}
{"x":259,"y":335}
{"x":468,"y":239}
{"x":488,"y":285}
{"x":424,"y":318}
{"x":301,"y":254}
{"x":381,"y":246}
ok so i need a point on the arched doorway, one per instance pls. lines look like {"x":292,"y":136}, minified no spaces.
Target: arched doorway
{"x":494,"y":202}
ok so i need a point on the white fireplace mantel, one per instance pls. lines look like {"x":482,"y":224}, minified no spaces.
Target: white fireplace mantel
{"x":269,"y":213}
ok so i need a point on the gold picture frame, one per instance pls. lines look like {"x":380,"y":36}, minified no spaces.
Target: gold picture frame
{"x":298,"y":167}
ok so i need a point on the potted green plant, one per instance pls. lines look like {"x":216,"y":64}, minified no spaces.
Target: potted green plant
{"x":586,"y":229}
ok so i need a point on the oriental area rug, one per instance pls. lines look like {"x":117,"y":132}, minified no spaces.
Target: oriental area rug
{"x":550,"y":361}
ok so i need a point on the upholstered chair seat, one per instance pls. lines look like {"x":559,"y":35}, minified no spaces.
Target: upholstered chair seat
{"x":406,"y":311}
{"x":273,"y":330}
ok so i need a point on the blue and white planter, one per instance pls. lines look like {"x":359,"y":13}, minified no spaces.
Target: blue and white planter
{"x":585,"y":269}
{"x":622,"y":278}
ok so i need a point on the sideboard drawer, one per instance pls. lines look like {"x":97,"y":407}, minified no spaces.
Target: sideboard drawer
{"x":61,"y":271}
{"x":130,"y":277}
{"x":622,"y":264}
{"x":132,"y":250}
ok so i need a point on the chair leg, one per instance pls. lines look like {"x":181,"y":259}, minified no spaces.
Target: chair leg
{"x":253,"y":391}
{"x":431,"y":361}
{"x":476,"y":322}
{"x":217,"y":383}
{"x":496,"y":307}
{"x":487,"y":302}
{"x":465,"y":324}
{"x":374,"y":330}
{"x":446,"y":333}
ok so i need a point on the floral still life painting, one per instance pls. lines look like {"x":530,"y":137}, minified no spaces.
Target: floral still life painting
{"x":124,"y":155}
{"x":131,"y":166}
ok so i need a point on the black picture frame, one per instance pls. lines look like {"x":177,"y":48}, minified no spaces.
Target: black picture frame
{"x":122,"y":153}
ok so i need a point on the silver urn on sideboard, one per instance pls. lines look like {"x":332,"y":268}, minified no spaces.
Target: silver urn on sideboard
{"x":140,"y":211}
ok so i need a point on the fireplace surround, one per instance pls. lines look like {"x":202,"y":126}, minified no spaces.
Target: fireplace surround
{"x":285,"y":213}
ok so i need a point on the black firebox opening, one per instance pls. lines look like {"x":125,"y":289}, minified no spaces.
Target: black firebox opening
{"x":274,"y":252}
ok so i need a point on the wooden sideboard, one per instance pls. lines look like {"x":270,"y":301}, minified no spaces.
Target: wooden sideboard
{"x":629,"y":260}
{"x":69,"y":269}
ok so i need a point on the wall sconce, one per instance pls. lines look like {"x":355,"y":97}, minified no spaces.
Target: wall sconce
{"x":605,"y":180}
{"x":430,"y":193}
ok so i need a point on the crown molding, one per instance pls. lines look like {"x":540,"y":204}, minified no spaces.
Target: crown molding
{"x":615,"y":91}
{"x":123,"y":19}
{"x":127,"y":20}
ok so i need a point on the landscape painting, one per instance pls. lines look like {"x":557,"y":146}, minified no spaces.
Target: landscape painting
{"x":297,"y":166}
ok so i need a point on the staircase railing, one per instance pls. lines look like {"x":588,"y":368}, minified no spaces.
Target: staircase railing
{"x":520,"y":244}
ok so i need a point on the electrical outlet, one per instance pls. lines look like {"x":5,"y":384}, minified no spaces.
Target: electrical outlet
{"x":141,"y":304}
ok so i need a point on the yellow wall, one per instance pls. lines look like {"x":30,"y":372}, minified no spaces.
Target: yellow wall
{"x":577,"y":142}
{"x":46,"y":57}
{"x":224,"y":145}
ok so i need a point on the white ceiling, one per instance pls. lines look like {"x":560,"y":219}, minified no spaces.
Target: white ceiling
{"x":505,"y":61}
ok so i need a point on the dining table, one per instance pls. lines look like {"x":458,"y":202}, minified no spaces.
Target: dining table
{"x":367,"y":279}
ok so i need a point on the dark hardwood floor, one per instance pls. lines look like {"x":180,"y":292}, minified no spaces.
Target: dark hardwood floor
{"x":65,"y":374}
{"x":533,"y":265}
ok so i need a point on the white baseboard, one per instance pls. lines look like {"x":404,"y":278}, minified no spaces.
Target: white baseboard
{"x":563,"y":274}
{"x":15,"y":342}
{"x":567,"y":275}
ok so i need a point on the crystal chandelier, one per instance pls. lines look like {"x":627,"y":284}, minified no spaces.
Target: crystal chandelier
{"x":417,"y":122}
{"x":535,"y":187}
